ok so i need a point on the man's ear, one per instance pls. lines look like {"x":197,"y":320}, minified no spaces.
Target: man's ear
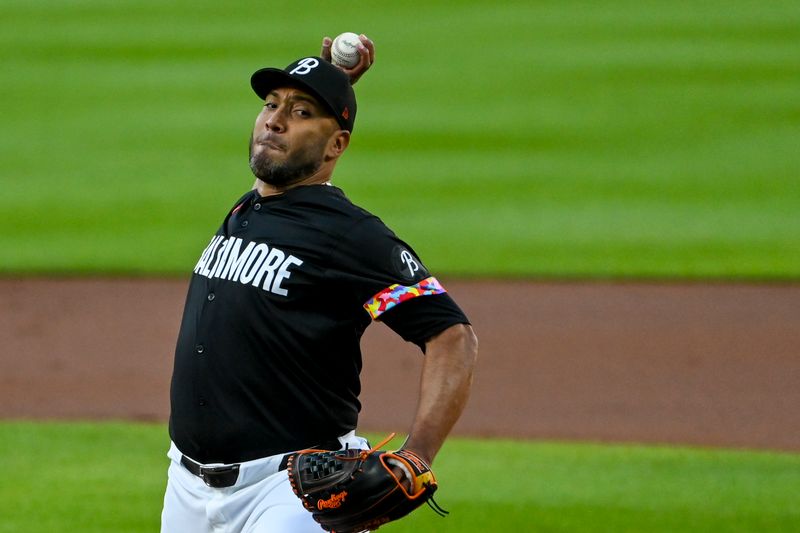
{"x":338,"y":143}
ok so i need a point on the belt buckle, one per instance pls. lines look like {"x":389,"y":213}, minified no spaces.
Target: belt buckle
{"x":218,"y":477}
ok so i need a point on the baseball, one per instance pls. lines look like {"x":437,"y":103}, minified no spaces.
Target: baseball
{"x":344,"y":50}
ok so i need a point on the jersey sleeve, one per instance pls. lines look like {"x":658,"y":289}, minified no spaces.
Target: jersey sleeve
{"x":422,"y":318}
{"x":391,"y":284}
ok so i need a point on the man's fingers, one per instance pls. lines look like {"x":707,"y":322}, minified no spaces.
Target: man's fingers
{"x":404,"y":476}
{"x":325,"y":53}
{"x":366,"y":52}
{"x":370,"y":47}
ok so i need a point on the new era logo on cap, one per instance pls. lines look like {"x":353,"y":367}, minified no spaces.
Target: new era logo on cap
{"x":323,"y":80}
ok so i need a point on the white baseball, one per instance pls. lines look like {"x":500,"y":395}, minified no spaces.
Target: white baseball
{"x":344,"y":50}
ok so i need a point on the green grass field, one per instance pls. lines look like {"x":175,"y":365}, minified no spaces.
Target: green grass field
{"x":110,"y":477}
{"x":550,"y":139}
{"x":574,"y":139}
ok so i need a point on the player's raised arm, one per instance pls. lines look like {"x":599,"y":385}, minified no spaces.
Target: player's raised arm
{"x":366,"y":53}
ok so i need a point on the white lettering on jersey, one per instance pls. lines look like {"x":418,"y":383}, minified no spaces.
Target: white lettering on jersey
{"x":258,"y":254}
{"x":283,"y":273}
{"x":208,"y":267}
{"x":235,"y":262}
{"x":224,"y":258}
{"x":274,"y":258}
{"x":206,"y":255}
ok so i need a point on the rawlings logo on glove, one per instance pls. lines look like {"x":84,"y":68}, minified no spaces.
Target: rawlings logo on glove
{"x":350,"y":491}
{"x":333,"y":502}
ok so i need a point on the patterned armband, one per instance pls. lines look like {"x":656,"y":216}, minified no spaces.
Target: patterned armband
{"x":395,"y":294}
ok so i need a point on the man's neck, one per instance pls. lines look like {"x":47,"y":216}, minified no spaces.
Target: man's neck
{"x":266,"y":189}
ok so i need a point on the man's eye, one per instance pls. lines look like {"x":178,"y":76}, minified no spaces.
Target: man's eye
{"x":303,"y":112}
{"x":270,"y":105}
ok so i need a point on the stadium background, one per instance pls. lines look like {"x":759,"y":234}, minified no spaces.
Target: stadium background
{"x":628,"y":168}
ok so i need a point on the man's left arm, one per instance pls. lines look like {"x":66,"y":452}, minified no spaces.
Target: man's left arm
{"x":450,"y":359}
{"x":370,"y":483}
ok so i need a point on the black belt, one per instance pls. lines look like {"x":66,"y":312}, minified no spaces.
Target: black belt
{"x":219,"y":477}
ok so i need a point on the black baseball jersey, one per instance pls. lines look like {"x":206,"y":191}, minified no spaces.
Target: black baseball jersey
{"x":268,"y":357}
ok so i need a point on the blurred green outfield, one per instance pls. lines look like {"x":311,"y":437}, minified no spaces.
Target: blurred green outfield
{"x":110,"y":477}
{"x":550,"y":139}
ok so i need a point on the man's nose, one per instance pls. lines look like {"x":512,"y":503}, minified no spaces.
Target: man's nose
{"x":276,"y":121}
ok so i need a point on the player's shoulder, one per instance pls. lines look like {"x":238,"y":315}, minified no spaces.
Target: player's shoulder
{"x":331,"y":197}
{"x":334,"y":207}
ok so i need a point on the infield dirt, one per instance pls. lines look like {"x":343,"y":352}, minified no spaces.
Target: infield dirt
{"x":698,"y":364}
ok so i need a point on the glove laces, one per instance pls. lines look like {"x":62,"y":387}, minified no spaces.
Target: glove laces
{"x":365,"y":453}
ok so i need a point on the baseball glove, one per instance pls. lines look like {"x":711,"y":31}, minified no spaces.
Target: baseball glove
{"x":351,"y":491}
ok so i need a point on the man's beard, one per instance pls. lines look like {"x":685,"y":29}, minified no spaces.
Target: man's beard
{"x":294,"y":169}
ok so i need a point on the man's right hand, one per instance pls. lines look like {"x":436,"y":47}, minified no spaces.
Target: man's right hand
{"x":366,"y":50}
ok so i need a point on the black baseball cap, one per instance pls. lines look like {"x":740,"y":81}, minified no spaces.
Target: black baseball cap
{"x":323,"y":80}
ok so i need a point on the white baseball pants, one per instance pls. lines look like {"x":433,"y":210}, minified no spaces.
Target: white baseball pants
{"x":261,"y":500}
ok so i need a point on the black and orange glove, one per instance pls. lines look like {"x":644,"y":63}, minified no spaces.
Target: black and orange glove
{"x":350,"y":491}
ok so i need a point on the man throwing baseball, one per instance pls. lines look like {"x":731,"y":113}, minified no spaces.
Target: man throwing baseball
{"x":267,"y":360}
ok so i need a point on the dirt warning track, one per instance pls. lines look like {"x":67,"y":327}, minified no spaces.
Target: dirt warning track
{"x":699,"y":364}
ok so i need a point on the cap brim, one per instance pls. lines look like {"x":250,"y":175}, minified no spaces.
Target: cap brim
{"x":265,"y":80}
